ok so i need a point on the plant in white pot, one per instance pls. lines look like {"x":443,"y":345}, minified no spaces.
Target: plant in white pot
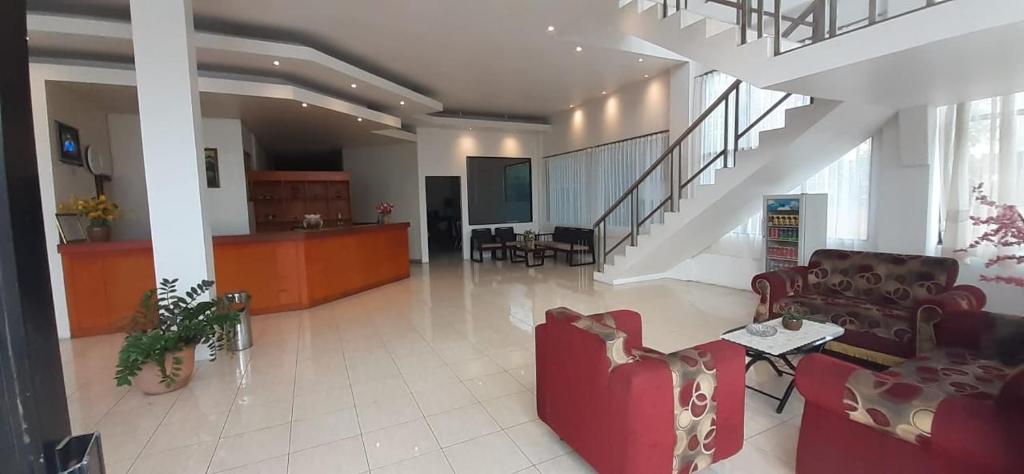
{"x":158,"y":354}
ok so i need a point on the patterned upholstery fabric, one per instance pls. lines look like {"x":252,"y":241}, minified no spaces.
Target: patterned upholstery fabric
{"x":892,"y":322}
{"x":956,"y":372}
{"x":614,"y":340}
{"x":888,"y":303}
{"x":693,"y":388}
{"x":888,"y":279}
{"x":902,"y":401}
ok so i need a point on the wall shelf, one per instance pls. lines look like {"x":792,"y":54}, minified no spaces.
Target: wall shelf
{"x":280,"y":199}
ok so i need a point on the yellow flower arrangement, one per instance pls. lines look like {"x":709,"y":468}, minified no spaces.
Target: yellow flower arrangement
{"x":99,"y":210}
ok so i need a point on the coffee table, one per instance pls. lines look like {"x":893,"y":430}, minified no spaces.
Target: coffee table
{"x":532,"y":255}
{"x":785,"y":344}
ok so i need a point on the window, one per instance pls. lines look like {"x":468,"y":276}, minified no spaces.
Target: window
{"x":847,"y":182}
{"x":977,"y":143}
{"x":500,"y":190}
{"x":582,"y":184}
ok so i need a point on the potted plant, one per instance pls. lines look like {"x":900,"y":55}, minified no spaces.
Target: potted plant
{"x":158,"y":354}
{"x":99,"y":210}
{"x":792,"y":318}
{"x":384,"y":210}
{"x":530,"y":237}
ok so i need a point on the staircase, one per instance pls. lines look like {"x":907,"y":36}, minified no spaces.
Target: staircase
{"x":839,"y":49}
{"x":693,"y":216}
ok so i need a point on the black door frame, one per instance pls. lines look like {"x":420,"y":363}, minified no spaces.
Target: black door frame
{"x":34,"y":407}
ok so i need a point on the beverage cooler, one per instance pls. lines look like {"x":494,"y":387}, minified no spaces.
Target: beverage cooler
{"x":795,"y":225}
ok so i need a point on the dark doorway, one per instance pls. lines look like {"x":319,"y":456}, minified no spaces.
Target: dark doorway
{"x":444,"y":215}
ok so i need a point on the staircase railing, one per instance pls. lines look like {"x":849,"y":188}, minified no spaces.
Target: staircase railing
{"x":820,"y":19}
{"x":729,"y":103}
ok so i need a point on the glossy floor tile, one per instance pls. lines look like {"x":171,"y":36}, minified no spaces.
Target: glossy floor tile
{"x":434,"y":374}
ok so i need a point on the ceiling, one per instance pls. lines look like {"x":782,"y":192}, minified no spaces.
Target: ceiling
{"x":480,"y":57}
{"x":282,"y":127}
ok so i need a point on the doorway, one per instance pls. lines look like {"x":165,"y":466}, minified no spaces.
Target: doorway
{"x":444,"y":216}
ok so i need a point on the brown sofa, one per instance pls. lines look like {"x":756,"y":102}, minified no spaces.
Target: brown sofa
{"x":888,"y":303}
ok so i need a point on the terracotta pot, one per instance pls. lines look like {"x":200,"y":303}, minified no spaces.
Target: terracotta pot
{"x":148,"y":379}
{"x":792,"y":324}
{"x":98,"y":233}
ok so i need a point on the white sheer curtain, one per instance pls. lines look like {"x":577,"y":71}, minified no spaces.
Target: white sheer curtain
{"x":710,"y":138}
{"x":977,"y":144}
{"x":847,"y":182}
{"x":582,"y":184}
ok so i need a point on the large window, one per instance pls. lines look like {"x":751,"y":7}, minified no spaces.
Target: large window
{"x":847,"y":182}
{"x":977,"y":143}
{"x":500,"y":190}
{"x":583,"y":184}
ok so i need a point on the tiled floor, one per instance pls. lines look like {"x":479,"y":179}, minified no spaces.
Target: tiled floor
{"x":433,"y":374}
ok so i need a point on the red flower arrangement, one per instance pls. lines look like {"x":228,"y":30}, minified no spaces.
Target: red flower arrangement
{"x":385,"y":208}
{"x":1005,"y":228}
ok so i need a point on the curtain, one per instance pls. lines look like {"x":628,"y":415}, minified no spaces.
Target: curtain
{"x":581,"y":185}
{"x":847,"y":182}
{"x":977,"y":144}
{"x":712,"y":136}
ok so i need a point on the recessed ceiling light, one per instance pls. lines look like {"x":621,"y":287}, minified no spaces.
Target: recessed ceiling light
{"x":471,"y":129}
{"x":579,"y":49}
{"x":572,"y":106}
{"x":277,"y":63}
{"x":646,"y":76}
{"x":26,"y":37}
{"x":604,"y":92}
{"x":354,"y":85}
{"x":639,"y":60}
{"x":551,"y":29}
{"x":401,"y":102}
{"x":305,"y":104}
{"x":359,"y":119}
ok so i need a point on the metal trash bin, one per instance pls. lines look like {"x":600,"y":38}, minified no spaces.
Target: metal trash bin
{"x":82,"y":454}
{"x":241,"y":336}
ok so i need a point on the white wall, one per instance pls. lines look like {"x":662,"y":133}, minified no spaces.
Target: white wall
{"x":227,"y":207}
{"x":443,"y":152}
{"x":65,"y":106}
{"x":637,"y":109}
{"x":386,"y":173}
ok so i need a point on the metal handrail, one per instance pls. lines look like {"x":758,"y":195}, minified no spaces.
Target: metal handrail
{"x":673,"y":153}
{"x":671,"y":147}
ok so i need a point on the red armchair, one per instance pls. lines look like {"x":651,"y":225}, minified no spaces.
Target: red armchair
{"x":955,"y":409}
{"x":886,"y":302}
{"x":614,"y":402}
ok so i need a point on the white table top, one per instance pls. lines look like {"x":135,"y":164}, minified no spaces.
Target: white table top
{"x":785,"y":340}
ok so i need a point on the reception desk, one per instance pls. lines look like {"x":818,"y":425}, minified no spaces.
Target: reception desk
{"x":283,"y":271}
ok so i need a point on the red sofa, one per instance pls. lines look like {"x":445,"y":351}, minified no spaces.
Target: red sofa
{"x":955,"y":409}
{"x":613,"y":401}
{"x":886,"y":302}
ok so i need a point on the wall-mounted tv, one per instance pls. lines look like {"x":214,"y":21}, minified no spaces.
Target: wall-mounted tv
{"x":69,"y":144}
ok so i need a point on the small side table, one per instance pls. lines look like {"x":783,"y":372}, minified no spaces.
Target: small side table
{"x":785,"y":344}
{"x":533,"y":256}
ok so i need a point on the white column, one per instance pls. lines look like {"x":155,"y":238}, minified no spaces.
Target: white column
{"x":165,"y":68}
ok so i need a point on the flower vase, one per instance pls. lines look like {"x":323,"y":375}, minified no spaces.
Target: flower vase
{"x":383,"y":218}
{"x":98,"y":232}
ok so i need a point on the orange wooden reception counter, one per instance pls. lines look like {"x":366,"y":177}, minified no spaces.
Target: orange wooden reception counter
{"x":283,"y":271}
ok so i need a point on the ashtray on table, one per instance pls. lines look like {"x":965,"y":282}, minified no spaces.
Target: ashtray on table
{"x":761,"y":330}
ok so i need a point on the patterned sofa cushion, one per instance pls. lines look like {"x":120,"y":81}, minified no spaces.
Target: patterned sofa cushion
{"x":854,"y":314}
{"x":882,"y":278}
{"x":956,"y":372}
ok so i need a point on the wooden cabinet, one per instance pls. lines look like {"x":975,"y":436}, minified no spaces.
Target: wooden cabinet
{"x":281,"y":198}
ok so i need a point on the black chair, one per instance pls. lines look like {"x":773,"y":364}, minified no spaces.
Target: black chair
{"x":506,"y":235}
{"x":573,"y":242}
{"x":482,"y":240}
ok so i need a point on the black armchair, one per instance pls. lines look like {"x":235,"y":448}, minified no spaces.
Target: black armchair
{"x":482,"y":240}
{"x":506,"y":235}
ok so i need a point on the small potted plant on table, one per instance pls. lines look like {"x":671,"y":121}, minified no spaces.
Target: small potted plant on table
{"x":384,"y":210}
{"x":99,"y":210}
{"x":158,"y":354}
{"x":792,"y":318}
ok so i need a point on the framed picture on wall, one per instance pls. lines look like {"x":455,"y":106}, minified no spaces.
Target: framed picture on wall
{"x":69,"y":144}
{"x":69,"y":225}
{"x":212,"y":168}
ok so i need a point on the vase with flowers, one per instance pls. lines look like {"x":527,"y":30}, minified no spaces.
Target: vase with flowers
{"x":100,"y":211}
{"x":1004,"y":230}
{"x":384,"y":210}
